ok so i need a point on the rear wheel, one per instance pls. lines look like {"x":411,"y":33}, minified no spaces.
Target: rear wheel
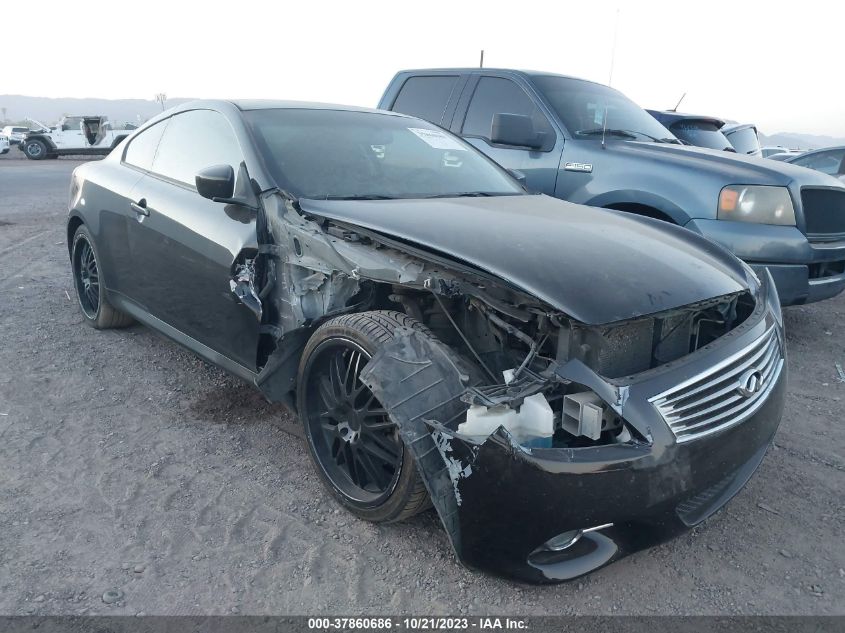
{"x":95,"y":307}
{"x":353,"y":442}
{"x":35,"y":149}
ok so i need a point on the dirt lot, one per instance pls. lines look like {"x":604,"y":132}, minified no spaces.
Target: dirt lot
{"x":128,"y":465}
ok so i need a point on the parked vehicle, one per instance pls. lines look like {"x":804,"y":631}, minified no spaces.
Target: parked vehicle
{"x":4,"y":145}
{"x":768,"y":152}
{"x":588,"y":143}
{"x":694,"y":129}
{"x":829,"y":160}
{"x":85,"y":135}
{"x":15,"y":134}
{"x":784,"y":155}
{"x":743,"y":137}
{"x":398,"y":282}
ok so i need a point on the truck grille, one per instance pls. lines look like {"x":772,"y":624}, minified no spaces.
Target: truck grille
{"x":824,"y":214}
{"x":726,"y":395}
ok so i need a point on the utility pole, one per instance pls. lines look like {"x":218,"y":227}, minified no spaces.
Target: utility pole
{"x":161,"y":98}
{"x":481,"y":61}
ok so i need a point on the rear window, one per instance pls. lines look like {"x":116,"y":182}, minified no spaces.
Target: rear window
{"x":426,"y":97}
{"x":745,"y":140}
{"x":701,"y":134}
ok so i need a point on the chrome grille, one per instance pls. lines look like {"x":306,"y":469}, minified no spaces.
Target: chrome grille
{"x":725,"y":395}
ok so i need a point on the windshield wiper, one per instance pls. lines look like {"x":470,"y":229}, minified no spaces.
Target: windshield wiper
{"x":611,"y":131}
{"x":361,"y":196}
{"x":632,"y":134}
{"x":471,"y":194}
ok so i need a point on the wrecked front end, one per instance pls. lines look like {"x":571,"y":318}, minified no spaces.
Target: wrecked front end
{"x":549,"y":447}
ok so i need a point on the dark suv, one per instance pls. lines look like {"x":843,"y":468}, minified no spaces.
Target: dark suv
{"x":588,"y":143}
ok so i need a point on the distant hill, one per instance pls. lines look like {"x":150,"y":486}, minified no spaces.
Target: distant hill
{"x":48,"y":111}
{"x":799,"y":141}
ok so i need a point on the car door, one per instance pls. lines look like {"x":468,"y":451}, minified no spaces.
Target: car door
{"x":185,"y":247}
{"x":112,"y":201}
{"x":491,"y":95}
{"x":70,"y":134}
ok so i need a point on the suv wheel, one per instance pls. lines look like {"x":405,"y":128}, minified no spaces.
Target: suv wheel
{"x":35,"y":149}
{"x":351,"y":439}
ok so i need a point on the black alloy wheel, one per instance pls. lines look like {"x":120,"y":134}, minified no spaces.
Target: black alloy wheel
{"x":356,"y":442}
{"x":87,"y":277}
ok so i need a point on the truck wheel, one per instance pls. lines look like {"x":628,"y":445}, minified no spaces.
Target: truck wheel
{"x":352,"y":441}
{"x":35,"y":149}
{"x":95,"y":307}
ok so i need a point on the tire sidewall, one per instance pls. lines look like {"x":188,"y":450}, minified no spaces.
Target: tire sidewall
{"x":393,"y":506}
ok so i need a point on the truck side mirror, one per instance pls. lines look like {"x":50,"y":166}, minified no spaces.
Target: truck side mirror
{"x":217,"y":181}
{"x":515,"y":129}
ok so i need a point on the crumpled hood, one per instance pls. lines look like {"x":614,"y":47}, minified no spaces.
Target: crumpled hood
{"x":595,"y":265}
{"x":732,"y":168}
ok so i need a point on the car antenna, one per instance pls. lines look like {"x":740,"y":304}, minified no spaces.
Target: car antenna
{"x":675,"y":109}
{"x":481,"y":61}
{"x":610,"y":78}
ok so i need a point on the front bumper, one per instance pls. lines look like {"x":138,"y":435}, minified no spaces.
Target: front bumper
{"x":500,"y":502}
{"x":801,"y":269}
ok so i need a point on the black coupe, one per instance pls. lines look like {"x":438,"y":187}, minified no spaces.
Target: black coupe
{"x":563,"y":384}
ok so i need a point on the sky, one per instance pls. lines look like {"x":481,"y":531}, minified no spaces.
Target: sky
{"x":775,"y":64}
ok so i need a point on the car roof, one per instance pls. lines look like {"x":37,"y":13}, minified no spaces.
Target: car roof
{"x":810,"y":152}
{"x":733,"y":127}
{"x":670,"y":116}
{"x":515,"y":71}
{"x":273,"y":104}
{"x":245,"y":105}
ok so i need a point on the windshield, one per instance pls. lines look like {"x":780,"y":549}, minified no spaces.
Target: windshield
{"x":581,"y":106}
{"x":702,"y":134}
{"x":745,"y":140}
{"x":343,"y":154}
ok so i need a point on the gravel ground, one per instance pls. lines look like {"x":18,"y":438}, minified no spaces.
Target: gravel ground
{"x":135,"y":478}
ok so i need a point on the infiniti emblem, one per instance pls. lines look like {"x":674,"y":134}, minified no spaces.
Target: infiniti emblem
{"x":750,"y":383}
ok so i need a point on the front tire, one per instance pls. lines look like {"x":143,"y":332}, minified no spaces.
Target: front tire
{"x":352,"y":441}
{"x":90,"y":292}
{"x":35,"y":149}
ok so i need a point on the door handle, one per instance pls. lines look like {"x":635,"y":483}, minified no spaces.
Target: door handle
{"x":140,"y":207}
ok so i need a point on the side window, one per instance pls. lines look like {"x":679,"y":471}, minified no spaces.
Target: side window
{"x":71,"y":124}
{"x":142,"y":148}
{"x":494,"y":95}
{"x":827,"y":162}
{"x":193,"y":141}
{"x":426,"y":97}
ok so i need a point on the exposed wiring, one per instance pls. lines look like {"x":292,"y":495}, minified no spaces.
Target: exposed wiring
{"x":466,"y":341}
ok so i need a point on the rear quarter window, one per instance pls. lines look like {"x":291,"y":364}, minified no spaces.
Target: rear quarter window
{"x":426,"y":97}
{"x":142,"y":149}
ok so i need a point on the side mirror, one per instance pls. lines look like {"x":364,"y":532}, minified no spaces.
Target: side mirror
{"x":515,"y":129}
{"x":217,"y":181}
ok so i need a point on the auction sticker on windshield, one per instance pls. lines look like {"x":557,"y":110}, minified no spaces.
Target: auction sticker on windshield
{"x":437,"y":139}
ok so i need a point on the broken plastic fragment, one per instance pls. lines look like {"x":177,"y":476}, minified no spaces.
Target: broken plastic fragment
{"x":242,"y":286}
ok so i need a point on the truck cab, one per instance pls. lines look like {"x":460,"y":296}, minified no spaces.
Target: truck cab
{"x":86,"y":135}
{"x":587,"y":143}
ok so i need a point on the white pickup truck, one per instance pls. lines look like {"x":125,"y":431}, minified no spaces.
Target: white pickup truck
{"x":90,"y":135}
